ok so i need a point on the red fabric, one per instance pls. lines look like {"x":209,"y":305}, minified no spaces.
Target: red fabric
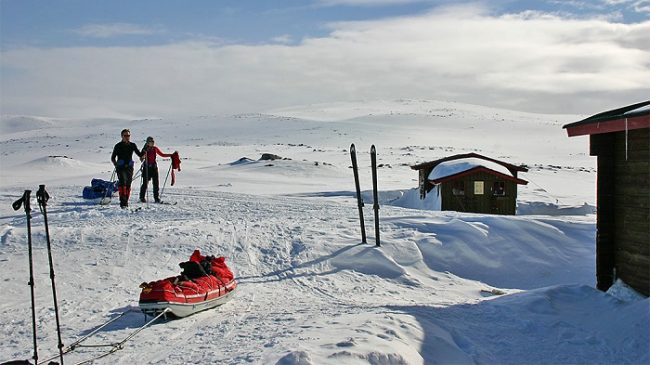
{"x":185,"y":291}
{"x":176,"y":165}
{"x":124,"y":191}
{"x":218,"y":265}
{"x":152,"y":152}
{"x":196,"y":256}
{"x":220,"y":269}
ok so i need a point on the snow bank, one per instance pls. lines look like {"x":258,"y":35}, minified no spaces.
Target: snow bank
{"x":15,"y":124}
{"x":545,"y":208}
{"x":411,"y":199}
{"x":623,"y":292}
{"x":572,"y":324}
{"x":506,"y":252}
{"x":54,"y":162}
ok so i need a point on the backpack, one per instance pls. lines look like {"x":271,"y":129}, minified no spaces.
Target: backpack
{"x":99,"y":189}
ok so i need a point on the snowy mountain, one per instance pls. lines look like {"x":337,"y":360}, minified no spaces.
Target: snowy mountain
{"x":444,"y":287}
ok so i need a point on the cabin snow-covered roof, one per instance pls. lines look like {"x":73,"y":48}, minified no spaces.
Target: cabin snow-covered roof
{"x":431,"y":164}
{"x":454,"y":167}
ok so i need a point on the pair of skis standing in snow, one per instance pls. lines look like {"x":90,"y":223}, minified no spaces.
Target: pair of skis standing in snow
{"x":375,"y":205}
{"x":122,"y":159}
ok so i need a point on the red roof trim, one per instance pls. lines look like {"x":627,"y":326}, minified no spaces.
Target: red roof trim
{"x":610,"y":126}
{"x":479,"y":169}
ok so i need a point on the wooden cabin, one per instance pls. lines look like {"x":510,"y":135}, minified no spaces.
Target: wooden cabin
{"x":471,"y":183}
{"x":620,"y":139}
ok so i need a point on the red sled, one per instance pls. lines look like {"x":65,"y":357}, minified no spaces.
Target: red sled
{"x":205,"y":282}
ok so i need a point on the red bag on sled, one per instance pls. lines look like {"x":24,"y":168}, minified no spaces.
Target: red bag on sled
{"x":205,"y":282}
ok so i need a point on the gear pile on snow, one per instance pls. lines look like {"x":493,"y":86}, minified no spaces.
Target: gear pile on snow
{"x":205,"y":282}
{"x":100,"y":189}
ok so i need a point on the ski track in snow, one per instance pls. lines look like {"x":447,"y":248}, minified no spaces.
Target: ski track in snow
{"x":262,"y":252}
{"x":302,"y":278}
{"x":281,"y":281}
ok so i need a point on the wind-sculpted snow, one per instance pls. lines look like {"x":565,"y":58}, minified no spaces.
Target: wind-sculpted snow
{"x":544,"y":326}
{"x":506,"y":251}
{"x":16,"y":124}
{"x":307,"y":285}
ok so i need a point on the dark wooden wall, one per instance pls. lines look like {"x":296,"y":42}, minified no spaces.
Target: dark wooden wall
{"x":486,"y":203}
{"x":623,"y":197}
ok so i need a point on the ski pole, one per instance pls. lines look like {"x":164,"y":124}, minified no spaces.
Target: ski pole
{"x":42,"y":197}
{"x":24,"y":201}
{"x":103,"y":201}
{"x":137,"y":173}
{"x":163,"y":188}
{"x":145,"y":173}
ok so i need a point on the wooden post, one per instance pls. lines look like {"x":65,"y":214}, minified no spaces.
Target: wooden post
{"x":602,"y":145}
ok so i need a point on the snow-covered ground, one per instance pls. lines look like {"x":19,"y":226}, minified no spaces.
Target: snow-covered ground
{"x":444,"y":288}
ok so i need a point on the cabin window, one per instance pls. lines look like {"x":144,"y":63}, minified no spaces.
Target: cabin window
{"x":499,"y":188}
{"x":458,"y":188}
{"x":478,"y":187}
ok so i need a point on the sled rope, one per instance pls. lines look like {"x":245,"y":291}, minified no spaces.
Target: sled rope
{"x":78,"y":343}
{"x":120,"y":345}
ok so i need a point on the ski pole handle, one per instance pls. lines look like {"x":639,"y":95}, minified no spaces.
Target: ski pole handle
{"x":24,"y":200}
{"x":42,"y":196}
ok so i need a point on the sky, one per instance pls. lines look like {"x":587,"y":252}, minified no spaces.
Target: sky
{"x":86,"y":59}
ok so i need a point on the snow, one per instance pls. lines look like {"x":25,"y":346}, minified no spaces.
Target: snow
{"x":411,"y":199}
{"x":453,"y":167}
{"x":444,"y":287}
{"x":639,"y":109}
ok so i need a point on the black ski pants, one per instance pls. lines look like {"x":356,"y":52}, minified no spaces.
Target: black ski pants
{"x":150,"y":172}
{"x":124,"y":176}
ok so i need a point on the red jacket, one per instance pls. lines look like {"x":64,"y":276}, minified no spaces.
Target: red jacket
{"x":151,"y":154}
{"x":176,"y":165}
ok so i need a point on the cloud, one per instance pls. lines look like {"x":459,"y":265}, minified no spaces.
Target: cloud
{"x":534,"y":62}
{"x":617,"y":2}
{"x":114,"y":30}
{"x":283,"y":39}
{"x":366,"y":2}
{"x":642,"y":6}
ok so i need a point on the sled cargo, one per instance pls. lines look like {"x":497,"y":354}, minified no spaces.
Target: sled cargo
{"x":205,"y":282}
{"x":99,"y":189}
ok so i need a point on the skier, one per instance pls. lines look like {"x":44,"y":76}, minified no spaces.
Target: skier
{"x":150,"y":169}
{"x":123,"y":162}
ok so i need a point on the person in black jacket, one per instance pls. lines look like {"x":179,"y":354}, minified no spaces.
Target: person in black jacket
{"x":123,"y":162}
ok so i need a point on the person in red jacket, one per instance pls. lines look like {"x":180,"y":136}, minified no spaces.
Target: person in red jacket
{"x":150,"y":169}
